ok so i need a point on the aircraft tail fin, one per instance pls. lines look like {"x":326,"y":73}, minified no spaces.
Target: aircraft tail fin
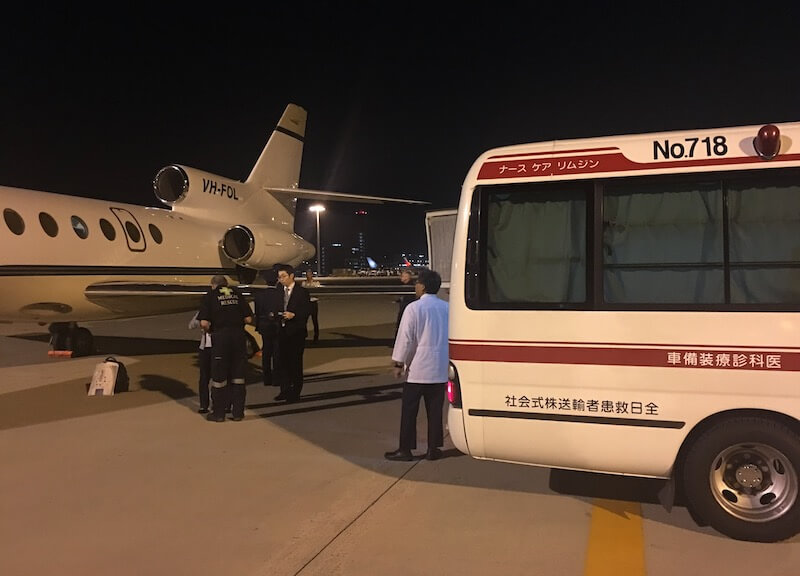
{"x":207,"y":195}
{"x":279,"y":163}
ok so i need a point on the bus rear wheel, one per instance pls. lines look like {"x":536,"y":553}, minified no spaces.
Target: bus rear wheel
{"x":741,"y":477}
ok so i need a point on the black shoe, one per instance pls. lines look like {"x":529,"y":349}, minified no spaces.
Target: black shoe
{"x":215,"y":418}
{"x":238,"y":418}
{"x":280,"y":396}
{"x":399,"y":455}
{"x":203,"y":411}
{"x":433,"y":454}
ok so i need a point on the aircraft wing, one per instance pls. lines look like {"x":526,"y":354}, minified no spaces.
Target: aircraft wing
{"x":146,"y":299}
{"x":339,"y":196}
{"x":162,"y":298}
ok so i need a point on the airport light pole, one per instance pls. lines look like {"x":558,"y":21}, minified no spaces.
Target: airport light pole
{"x":317,"y":208}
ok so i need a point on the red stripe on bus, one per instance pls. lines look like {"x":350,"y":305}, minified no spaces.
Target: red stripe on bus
{"x":704,"y":359}
{"x":597,"y":163}
{"x":627,"y":345}
{"x":529,"y":154}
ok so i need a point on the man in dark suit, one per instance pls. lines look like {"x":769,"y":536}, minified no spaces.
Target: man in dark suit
{"x":292,"y":333}
{"x":269,"y":305}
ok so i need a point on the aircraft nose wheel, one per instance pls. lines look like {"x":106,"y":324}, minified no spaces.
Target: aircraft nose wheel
{"x":70,"y":336}
{"x":251,"y":345}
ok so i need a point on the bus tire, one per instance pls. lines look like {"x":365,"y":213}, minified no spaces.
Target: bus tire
{"x":741,"y":477}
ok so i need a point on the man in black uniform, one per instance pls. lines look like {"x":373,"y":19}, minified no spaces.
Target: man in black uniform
{"x":269,"y":308}
{"x":224,"y":312}
{"x":292,"y":334}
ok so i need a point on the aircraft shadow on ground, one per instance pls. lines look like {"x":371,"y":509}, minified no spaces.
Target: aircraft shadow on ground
{"x":129,"y":346}
{"x":347,"y":340}
{"x":174,"y":389}
{"x":134,"y":346}
{"x":333,"y":399}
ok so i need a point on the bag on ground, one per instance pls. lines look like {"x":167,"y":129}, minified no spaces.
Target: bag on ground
{"x":110,"y":376}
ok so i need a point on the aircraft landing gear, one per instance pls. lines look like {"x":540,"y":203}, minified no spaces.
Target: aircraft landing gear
{"x":69,"y":336}
{"x":252,"y":345}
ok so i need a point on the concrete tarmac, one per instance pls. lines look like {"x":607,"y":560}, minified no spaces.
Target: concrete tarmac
{"x":139,"y":483}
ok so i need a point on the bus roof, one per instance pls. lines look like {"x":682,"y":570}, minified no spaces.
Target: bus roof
{"x":737,"y":148}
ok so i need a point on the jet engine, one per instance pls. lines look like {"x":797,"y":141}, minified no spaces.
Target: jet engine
{"x":184,"y":188}
{"x":260,"y":247}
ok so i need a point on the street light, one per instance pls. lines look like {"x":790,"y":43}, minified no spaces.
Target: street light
{"x":317,"y":208}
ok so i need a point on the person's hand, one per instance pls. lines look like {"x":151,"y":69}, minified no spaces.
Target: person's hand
{"x":398,"y":370}
{"x":288,"y":315}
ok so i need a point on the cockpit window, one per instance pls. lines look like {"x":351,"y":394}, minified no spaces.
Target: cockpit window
{"x":49,"y":224}
{"x":79,"y":226}
{"x":14,"y":221}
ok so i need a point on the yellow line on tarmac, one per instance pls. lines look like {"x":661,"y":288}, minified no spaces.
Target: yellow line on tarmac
{"x":616,"y":543}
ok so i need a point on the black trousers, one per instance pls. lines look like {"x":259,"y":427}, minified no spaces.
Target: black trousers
{"x":269,"y":358}
{"x":291,"y":348}
{"x":434,"y":404}
{"x":228,"y":367}
{"x":204,"y":362}
{"x":315,"y":317}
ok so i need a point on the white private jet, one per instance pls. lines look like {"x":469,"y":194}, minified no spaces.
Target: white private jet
{"x":67,"y":259}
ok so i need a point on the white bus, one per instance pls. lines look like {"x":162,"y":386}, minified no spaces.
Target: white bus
{"x":629,"y":305}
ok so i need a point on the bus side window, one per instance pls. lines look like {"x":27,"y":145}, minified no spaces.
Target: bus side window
{"x":472,"y":268}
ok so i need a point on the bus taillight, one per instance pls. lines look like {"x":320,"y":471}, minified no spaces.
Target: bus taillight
{"x":768,"y":141}
{"x":453,"y":387}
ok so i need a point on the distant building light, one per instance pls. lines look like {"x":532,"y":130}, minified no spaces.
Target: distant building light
{"x":361,"y":212}
{"x":337,"y":244}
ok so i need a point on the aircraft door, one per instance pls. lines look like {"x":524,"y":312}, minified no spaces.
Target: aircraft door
{"x":130,"y":227}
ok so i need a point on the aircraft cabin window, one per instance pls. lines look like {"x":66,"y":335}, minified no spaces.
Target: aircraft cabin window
{"x":108,"y":229}
{"x":79,"y":226}
{"x":133,"y":231}
{"x":49,"y":225}
{"x":156,"y":234}
{"x":14,"y":221}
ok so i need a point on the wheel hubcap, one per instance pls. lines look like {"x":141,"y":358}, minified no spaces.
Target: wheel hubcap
{"x":753,"y":482}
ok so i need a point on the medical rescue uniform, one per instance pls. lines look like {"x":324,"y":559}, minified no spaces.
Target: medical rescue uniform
{"x":226,"y":309}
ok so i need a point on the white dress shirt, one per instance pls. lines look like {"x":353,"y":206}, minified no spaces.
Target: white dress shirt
{"x":205,"y":337}
{"x":422,"y":342}
{"x":287,"y":293}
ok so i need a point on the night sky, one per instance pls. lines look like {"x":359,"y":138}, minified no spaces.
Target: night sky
{"x":401,"y":97}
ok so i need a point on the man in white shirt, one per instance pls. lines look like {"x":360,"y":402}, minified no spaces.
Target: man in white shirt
{"x":421,"y":349}
{"x":204,"y":362}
